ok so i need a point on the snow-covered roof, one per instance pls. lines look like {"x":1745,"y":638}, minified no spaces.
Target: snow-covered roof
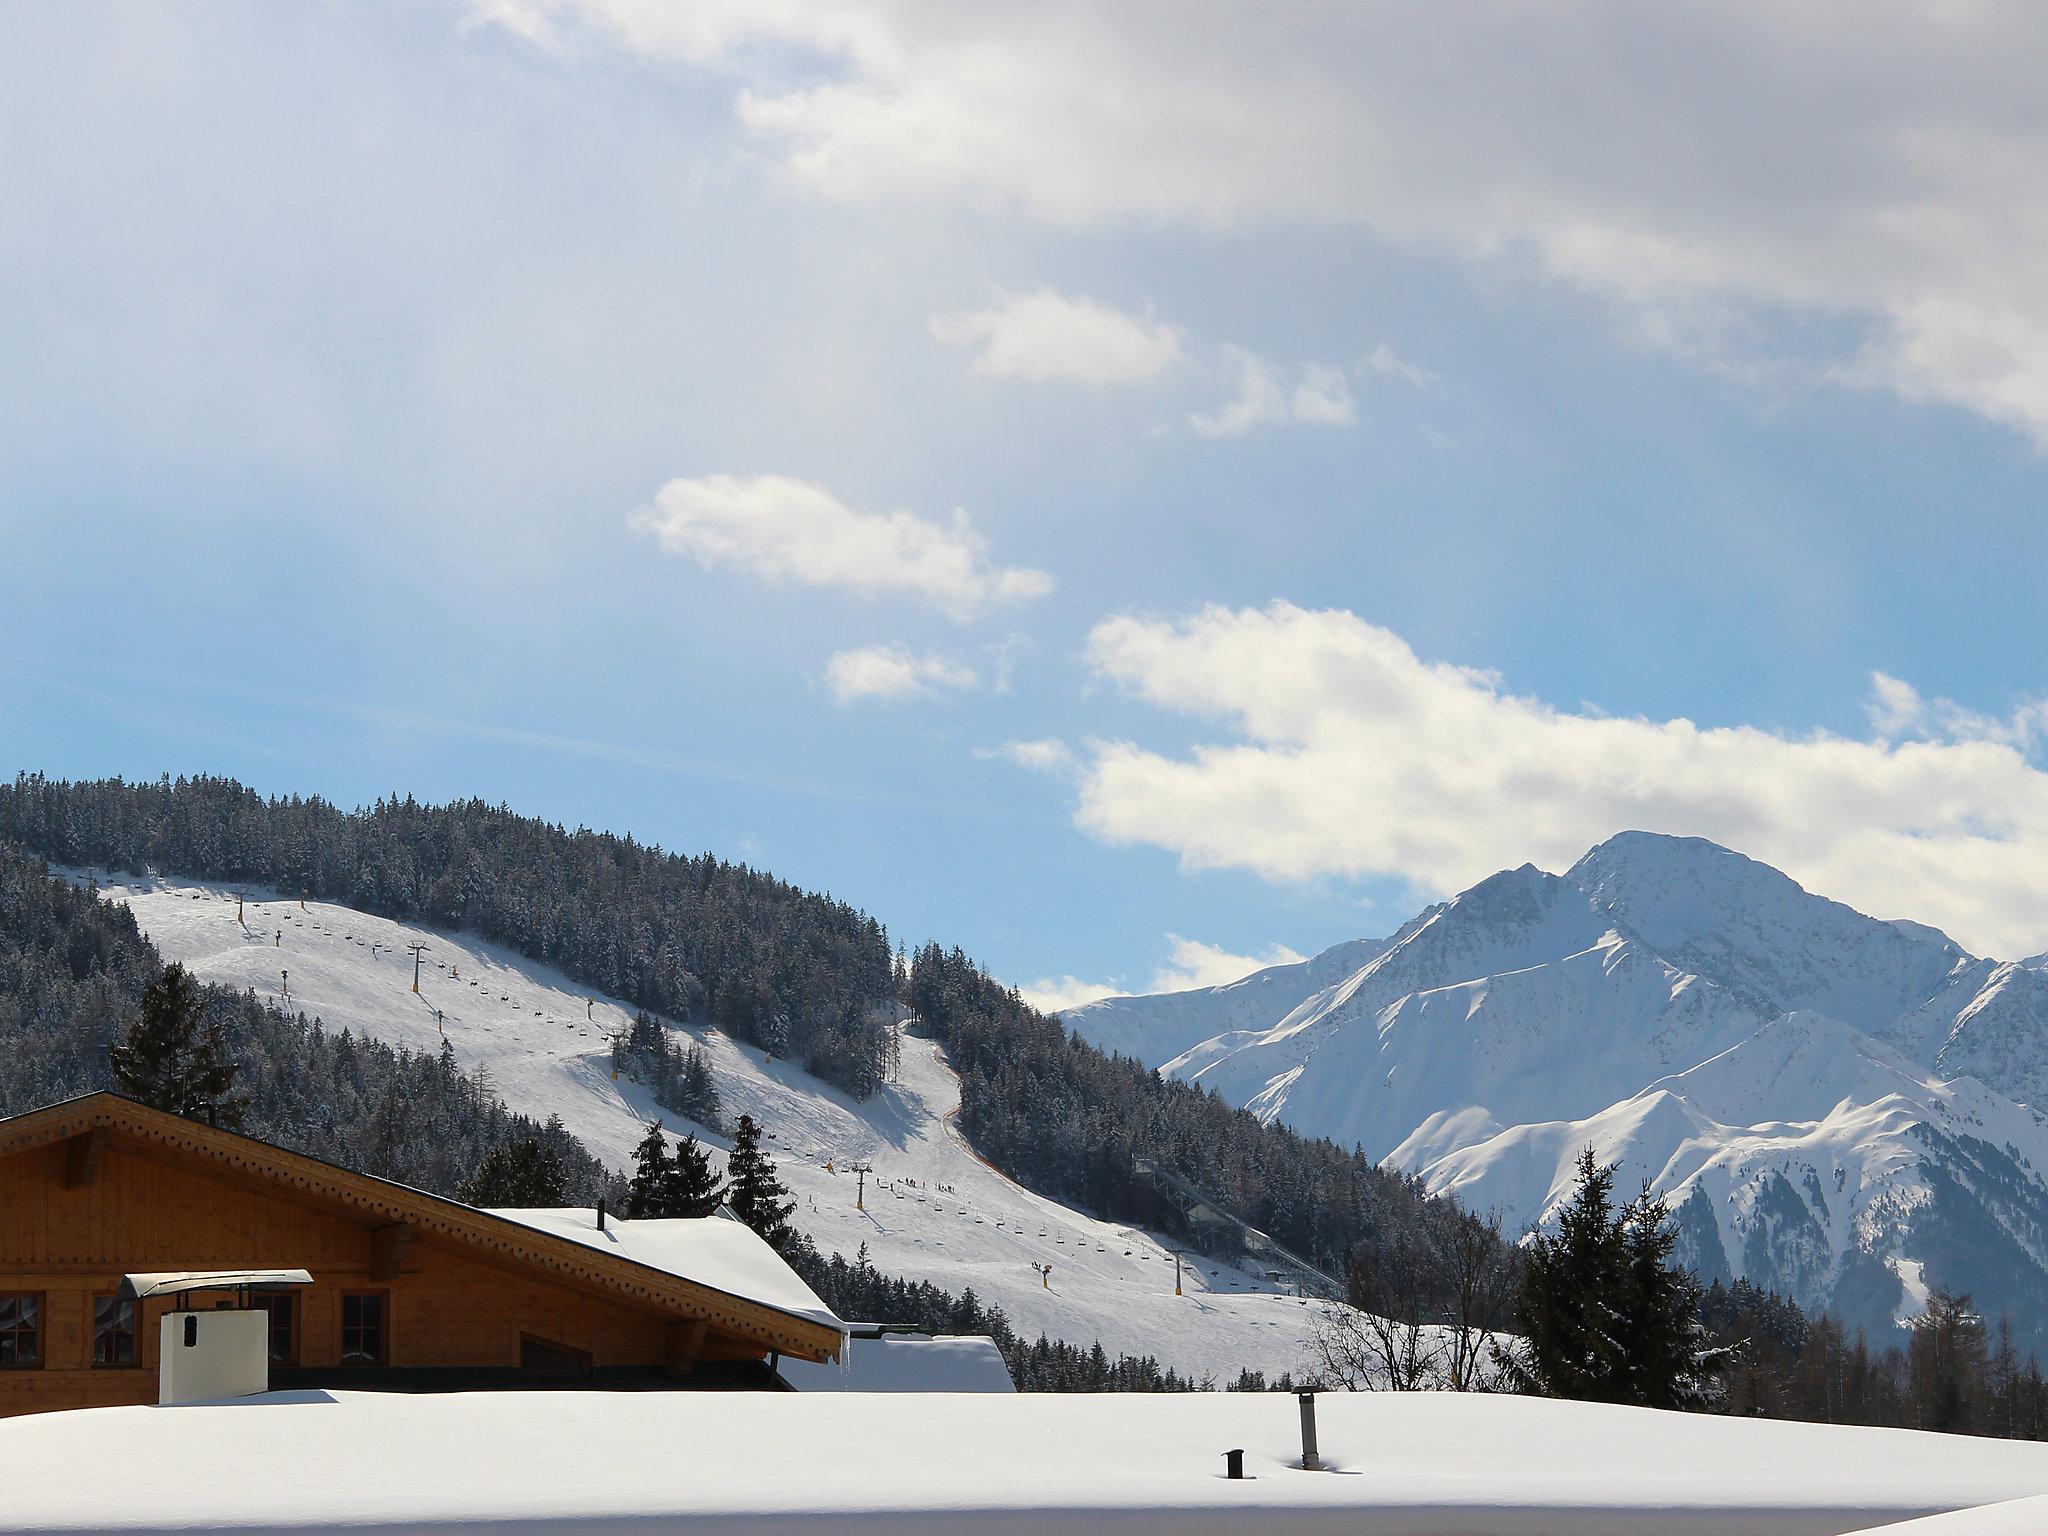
{"x":724,"y":1255}
{"x":547,"y":1464}
{"x":900,"y":1362}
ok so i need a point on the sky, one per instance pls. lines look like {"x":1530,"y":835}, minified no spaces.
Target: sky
{"x":1137,"y":492}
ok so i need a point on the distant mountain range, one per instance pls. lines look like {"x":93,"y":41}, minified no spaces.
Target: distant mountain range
{"x":1835,"y":1106}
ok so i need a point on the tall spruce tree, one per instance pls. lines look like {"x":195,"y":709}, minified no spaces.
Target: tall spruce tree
{"x":653,"y":1169}
{"x":693,"y":1189}
{"x":679,"y":1185}
{"x":523,"y":1176}
{"x":170,"y":1061}
{"x":1604,"y":1314}
{"x":1666,"y":1360}
{"x":1566,"y":1310}
{"x":757,"y":1195}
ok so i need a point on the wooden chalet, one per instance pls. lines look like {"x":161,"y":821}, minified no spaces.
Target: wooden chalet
{"x":410,"y":1291}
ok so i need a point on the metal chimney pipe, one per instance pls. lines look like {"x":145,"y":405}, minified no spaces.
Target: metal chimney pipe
{"x":1233,"y":1465}
{"x":600,"y":1213}
{"x":1311,"y":1461}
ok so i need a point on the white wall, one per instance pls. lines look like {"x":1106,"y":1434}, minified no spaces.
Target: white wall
{"x":230,"y":1356}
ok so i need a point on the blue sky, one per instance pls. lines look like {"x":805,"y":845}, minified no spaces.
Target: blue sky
{"x":1121,"y":489}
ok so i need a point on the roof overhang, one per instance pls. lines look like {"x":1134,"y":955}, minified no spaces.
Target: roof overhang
{"x":180,"y":1282}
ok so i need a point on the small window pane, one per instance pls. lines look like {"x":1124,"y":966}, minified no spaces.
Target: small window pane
{"x":20,"y":1331}
{"x":113,"y":1331}
{"x":362,"y":1330}
{"x":283,"y":1315}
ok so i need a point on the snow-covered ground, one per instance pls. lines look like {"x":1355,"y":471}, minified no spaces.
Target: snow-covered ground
{"x":1402,"y":1464}
{"x":2013,"y":1517}
{"x":933,"y":1210}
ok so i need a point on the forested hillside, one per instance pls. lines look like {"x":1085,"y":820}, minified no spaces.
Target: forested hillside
{"x":72,"y":968}
{"x":1059,"y":1115}
{"x":797,"y":974}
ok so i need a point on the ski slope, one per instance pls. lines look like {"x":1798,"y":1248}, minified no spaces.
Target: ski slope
{"x":932,"y":1210}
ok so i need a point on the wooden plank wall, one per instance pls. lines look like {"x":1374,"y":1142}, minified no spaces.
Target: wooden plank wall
{"x":71,"y":1235}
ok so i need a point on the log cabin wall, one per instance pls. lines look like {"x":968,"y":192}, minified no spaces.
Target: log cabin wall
{"x":78,"y":1214}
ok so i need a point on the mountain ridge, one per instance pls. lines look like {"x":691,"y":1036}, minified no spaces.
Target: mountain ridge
{"x":1834,"y":1104}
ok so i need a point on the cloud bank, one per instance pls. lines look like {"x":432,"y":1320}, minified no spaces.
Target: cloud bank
{"x":1341,"y":753}
{"x":788,"y":530}
{"x":1879,"y":168}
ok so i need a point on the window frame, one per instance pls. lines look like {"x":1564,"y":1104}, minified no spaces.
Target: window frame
{"x":263,"y":1301}
{"x":40,"y":1332}
{"x":134,"y":1331}
{"x":576,"y":1367}
{"x":383,"y":1300}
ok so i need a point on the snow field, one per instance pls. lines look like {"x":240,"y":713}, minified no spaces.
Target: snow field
{"x":932,"y":1209}
{"x":1406,"y":1464}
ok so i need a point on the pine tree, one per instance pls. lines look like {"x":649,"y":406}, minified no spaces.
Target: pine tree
{"x":756,"y":1196}
{"x":523,"y":1176}
{"x":653,"y":1170}
{"x":1666,"y":1361}
{"x":169,"y":1061}
{"x":692,"y":1188}
{"x":1605,"y":1315}
{"x":1566,"y":1309}
{"x":679,"y":1185}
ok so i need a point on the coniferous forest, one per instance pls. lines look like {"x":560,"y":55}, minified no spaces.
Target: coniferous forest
{"x":799,"y":975}
{"x":794,"y":973}
{"x":72,"y":973}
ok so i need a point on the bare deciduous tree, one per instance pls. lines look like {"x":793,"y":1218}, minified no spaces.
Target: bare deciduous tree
{"x":1424,"y":1306}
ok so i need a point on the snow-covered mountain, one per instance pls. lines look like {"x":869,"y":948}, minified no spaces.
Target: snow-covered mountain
{"x":1835,"y":1105}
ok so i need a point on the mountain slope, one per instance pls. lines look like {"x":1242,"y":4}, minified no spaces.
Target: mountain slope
{"x":1834,"y":1104}
{"x":932,"y":1210}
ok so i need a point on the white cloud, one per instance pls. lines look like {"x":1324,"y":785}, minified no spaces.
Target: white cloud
{"x":1044,"y":337}
{"x":1342,"y":753}
{"x":1321,"y":397}
{"x":1044,"y":755}
{"x":1389,"y":364}
{"x":1898,"y":710}
{"x":1189,"y":964}
{"x":1884,"y":165}
{"x":1054,"y":994}
{"x":784,"y":529}
{"x":894,"y":672}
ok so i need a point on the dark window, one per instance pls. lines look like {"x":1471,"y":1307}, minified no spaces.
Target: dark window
{"x":21,"y":1332}
{"x":544,"y":1360}
{"x":362,"y":1328}
{"x":284,"y":1316}
{"x":113,"y":1331}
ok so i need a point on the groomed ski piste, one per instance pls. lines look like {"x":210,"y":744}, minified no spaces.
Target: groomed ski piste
{"x":932,"y":1209}
{"x":1395,"y":1464}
